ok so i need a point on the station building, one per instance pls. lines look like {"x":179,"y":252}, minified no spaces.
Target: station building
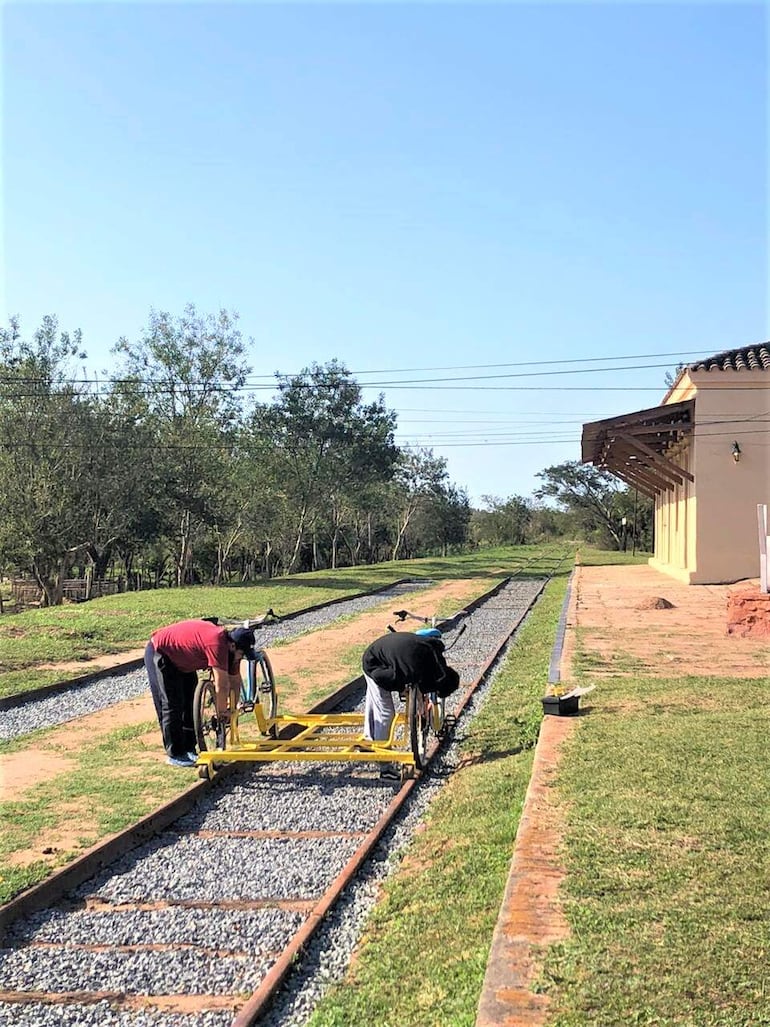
{"x":703,"y":456}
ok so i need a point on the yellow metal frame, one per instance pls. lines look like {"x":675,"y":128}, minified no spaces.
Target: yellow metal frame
{"x":315,"y":740}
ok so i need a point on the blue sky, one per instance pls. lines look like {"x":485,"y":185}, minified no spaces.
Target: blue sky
{"x":402,"y":186}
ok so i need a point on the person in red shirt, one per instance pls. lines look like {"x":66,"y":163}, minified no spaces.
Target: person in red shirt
{"x":173,"y":657}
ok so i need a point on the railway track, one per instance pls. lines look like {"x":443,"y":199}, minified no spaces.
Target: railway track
{"x":197,"y":916}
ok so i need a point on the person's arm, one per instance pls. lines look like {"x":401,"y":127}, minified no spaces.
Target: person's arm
{"x":224,"y":684}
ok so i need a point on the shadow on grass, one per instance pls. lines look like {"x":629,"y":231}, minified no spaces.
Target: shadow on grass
{"x":488,"y":757}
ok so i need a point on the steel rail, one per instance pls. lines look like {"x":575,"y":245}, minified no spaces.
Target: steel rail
{"x":257,"y":1005}
{"x":104,"y":853}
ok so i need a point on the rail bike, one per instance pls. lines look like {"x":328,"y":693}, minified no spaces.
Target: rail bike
{"x":254,"y":732}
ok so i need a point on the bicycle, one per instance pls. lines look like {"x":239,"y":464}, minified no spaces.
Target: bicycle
{"x":257,"y":695}
{"x":425,"y":711}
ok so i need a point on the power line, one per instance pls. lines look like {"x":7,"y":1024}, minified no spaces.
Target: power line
{"x":251,"y":382}
{"x":535,"y":363}
{"x":50,"y":444}
{"x":425,"y":386}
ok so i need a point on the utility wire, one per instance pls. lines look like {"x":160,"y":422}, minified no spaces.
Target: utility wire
{"x":271,"y":382}
{"x":50,"y":444}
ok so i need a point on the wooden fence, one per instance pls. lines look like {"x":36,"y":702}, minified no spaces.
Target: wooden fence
{"x":29,"y":593}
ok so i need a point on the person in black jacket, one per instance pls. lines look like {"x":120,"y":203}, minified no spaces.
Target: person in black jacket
{"x":396,"y":660}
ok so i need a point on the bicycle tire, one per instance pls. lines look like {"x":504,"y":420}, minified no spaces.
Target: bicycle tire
{"x":264,"y":686}
{"x":208,"y":732}
{"x":437,"y":713}
{"x":418,"y":727}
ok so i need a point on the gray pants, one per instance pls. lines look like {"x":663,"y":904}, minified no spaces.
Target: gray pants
{"x":379,"y":711}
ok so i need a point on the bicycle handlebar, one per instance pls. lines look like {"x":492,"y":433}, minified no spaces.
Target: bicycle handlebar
{"x":403,"y":614}
{"x":268,"y":617}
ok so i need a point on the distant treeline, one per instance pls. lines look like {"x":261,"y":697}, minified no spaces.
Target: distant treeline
{"x":171,"y":470}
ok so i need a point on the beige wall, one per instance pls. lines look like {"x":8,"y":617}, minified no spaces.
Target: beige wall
{"x":706,"y":531}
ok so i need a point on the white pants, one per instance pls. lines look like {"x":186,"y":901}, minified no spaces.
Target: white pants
{"x":379,"y":711}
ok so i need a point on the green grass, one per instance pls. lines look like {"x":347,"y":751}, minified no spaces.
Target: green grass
{"x":591,"y":557}
{"x":668,"y":849}
{"x":348,"y":661}
{"x":17,"y":682}
{"x":118,"y":799}
{"x":423,"y":959}
{"x":117,"y":624}
{"x":667,"y":853}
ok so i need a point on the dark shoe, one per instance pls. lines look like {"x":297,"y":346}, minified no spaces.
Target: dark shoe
{"x":391,"y":772}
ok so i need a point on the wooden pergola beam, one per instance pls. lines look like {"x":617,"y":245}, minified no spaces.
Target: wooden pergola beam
{"x":658,"y":429}
{"x":656,"y":477}
{"x":666,"y":467}
{"x":638,"y":475}
{"x":644,"y":487}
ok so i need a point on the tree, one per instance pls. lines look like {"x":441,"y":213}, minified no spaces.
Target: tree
{"x":45,"y":439}
{"x":183,"y":377}
{"x":591,"y":496}
{"x":504,"y":522}
{"x":442,"y":520}
{"x":671,"y":376}
{"x":419,"y":476}
{"x":327,"y":447}
{"x":546,"y":522}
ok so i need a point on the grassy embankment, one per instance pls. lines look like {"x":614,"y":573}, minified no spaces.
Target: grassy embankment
{"x":667,"y":854}
{"x":96,"y":789}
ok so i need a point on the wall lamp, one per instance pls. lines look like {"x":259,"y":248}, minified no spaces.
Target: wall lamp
{"x":736,"y":452}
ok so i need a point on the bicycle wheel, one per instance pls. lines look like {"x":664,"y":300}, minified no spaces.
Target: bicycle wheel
{"x":265,"y":686}
{"x":419,"y":726}
{"x":209,"y":733}
{"x":437,"y":712}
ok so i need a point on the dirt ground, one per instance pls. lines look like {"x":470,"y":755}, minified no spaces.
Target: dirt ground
{"x":615,"y":624}
{"x":635,"y":620}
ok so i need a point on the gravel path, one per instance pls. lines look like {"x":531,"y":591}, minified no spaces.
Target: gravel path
{"x":43,"y":953}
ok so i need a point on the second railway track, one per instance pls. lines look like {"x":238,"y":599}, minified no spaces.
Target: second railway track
{"x":202,"y":923}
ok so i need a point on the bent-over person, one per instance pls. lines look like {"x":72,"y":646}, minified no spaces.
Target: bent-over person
{"x":394,"y":661}
{"x":173,"y":657}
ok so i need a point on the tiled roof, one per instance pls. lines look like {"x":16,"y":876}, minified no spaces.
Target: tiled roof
{"x":748,"y":358}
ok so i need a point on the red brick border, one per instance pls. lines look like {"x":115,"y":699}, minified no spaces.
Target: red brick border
{"x":530,"y":916}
